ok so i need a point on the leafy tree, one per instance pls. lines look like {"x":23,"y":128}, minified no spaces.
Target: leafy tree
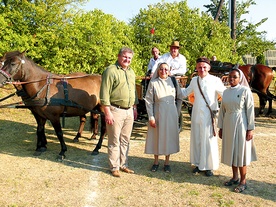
{"x":198,"y":34}
{"x":249,"y":40}
{"x":62,"y":38}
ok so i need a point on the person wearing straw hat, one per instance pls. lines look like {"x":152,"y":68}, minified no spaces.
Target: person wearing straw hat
{"x":174,"y":59}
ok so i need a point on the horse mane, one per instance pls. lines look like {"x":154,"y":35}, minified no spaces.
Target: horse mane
{"x":11,"y":54}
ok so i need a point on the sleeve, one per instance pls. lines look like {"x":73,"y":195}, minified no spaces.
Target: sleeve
{"x":106,"y":87}
{"x":179,"y":98}
{"x":150,"y":65}
{"x":187,"y":91}
{"x":220,"y":87}
{"x":181,"y":70}
{"x":221,"y":115}
{"x":249,"y":104}
{"x":149,"y":99}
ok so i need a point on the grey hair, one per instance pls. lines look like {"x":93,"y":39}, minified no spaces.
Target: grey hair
{"x":126,"y":50}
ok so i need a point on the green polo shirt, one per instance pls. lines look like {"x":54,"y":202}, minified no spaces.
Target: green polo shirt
{"x":118,"y":87}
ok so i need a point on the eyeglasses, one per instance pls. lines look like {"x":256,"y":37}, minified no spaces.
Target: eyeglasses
{"x":164,"y":69}
{"x":235,"y":77}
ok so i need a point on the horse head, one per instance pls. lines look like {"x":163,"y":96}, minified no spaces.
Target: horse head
{"x":11,"y":65}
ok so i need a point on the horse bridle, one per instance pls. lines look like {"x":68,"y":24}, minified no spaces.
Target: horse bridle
{"x":8,"y":76}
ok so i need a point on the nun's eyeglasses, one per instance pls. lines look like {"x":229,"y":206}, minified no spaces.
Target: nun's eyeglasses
{"x":164,"y":69}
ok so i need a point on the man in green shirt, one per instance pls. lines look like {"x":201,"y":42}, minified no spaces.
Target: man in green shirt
{"x":118,"y":98}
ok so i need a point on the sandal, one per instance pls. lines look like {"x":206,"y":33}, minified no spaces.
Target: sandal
{"x":240,"y":188}
{"x":167,"y":168}
{"x":154,"y":168}
{"x":231,"y":182}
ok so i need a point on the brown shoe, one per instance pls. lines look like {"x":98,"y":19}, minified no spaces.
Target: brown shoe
{"x":127,"y":170}
{"x":116,"y":173}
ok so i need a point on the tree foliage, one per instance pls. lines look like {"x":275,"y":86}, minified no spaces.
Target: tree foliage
{"x":63,"y":38}
{"x":198,"y":34}
{"x":249,"y":40}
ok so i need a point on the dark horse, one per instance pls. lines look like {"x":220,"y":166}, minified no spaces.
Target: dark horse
{"x":259,"y":78}
{"x":53,"y":96}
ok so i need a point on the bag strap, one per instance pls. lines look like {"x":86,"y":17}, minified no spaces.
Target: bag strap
{"x":175,"y":85}
{"x":212,"y":115}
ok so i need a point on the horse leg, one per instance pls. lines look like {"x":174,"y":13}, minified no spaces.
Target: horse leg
{"x":271,"y":96}
{"x":57,"y":126}
{"x":103,"y":131}
{"x":262,"y":102}
{"x":41,"y":145}
{"x":81,"y":127}
{"x":94,"y":125}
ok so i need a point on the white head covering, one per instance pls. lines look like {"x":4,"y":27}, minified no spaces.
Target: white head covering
{"x":156,"y":72}
{"x":243,"y":80}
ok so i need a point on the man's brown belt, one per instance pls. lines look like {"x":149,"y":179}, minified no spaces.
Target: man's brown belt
{"x":120,"y":107}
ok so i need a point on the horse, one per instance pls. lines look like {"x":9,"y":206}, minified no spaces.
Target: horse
{"x":94,"y":126}
{"x":51,"y":96}
{"x":259,"y":78}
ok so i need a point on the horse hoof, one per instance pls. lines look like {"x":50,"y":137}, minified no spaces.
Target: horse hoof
{"x":37,"y":153}
{"x":95,"y":152}
{"x":60,"y":158}
{"x":76,"y":140}
{"x":92,"y":137}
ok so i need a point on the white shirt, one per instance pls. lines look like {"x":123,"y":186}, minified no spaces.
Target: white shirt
{"x":152,"y":63}
{"x":177,"y":64}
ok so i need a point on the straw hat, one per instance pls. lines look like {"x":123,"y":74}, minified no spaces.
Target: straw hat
{"x":175,"y":44}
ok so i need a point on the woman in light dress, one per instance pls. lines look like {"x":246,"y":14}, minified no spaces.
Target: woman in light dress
{"x":163,"y":102}
{"x":236,"y":124}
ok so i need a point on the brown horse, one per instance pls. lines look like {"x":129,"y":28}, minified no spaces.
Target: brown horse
{"x":53,"y":96}
{"x":259,"y":78}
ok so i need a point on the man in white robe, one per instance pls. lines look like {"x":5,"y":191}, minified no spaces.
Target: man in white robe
{"x":203,"y":144}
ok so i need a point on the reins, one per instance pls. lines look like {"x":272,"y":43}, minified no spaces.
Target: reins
{"x":34,"y":81}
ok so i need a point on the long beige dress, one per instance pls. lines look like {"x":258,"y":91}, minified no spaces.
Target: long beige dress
{"x":235,"y":118}
{"x":160,"y":103}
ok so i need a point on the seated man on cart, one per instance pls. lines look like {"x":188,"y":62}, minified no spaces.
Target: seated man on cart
{"x":174,"y":59}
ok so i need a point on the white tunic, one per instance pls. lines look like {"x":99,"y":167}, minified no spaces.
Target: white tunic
{"x":235,"y":118}
{"x":203,"y":144}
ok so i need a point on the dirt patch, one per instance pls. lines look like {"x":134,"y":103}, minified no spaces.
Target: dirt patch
{"x":84,"y":180}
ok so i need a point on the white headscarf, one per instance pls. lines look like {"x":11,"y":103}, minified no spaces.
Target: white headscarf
{"x":156,"y":72}
{"x":243,"y":80}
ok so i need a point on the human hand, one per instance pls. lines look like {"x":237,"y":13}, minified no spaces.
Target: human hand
{"x":249,"y":135}
{"x":152,"y":123}
{"x":109,"y":118}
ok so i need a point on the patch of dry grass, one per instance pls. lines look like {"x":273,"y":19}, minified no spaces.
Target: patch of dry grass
{"x":84,"y":180}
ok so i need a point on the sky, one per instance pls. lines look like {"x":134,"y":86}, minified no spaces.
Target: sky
{"x":126,"y":9}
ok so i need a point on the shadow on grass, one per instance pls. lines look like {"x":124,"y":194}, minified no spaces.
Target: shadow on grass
{"x":18,"y":139}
